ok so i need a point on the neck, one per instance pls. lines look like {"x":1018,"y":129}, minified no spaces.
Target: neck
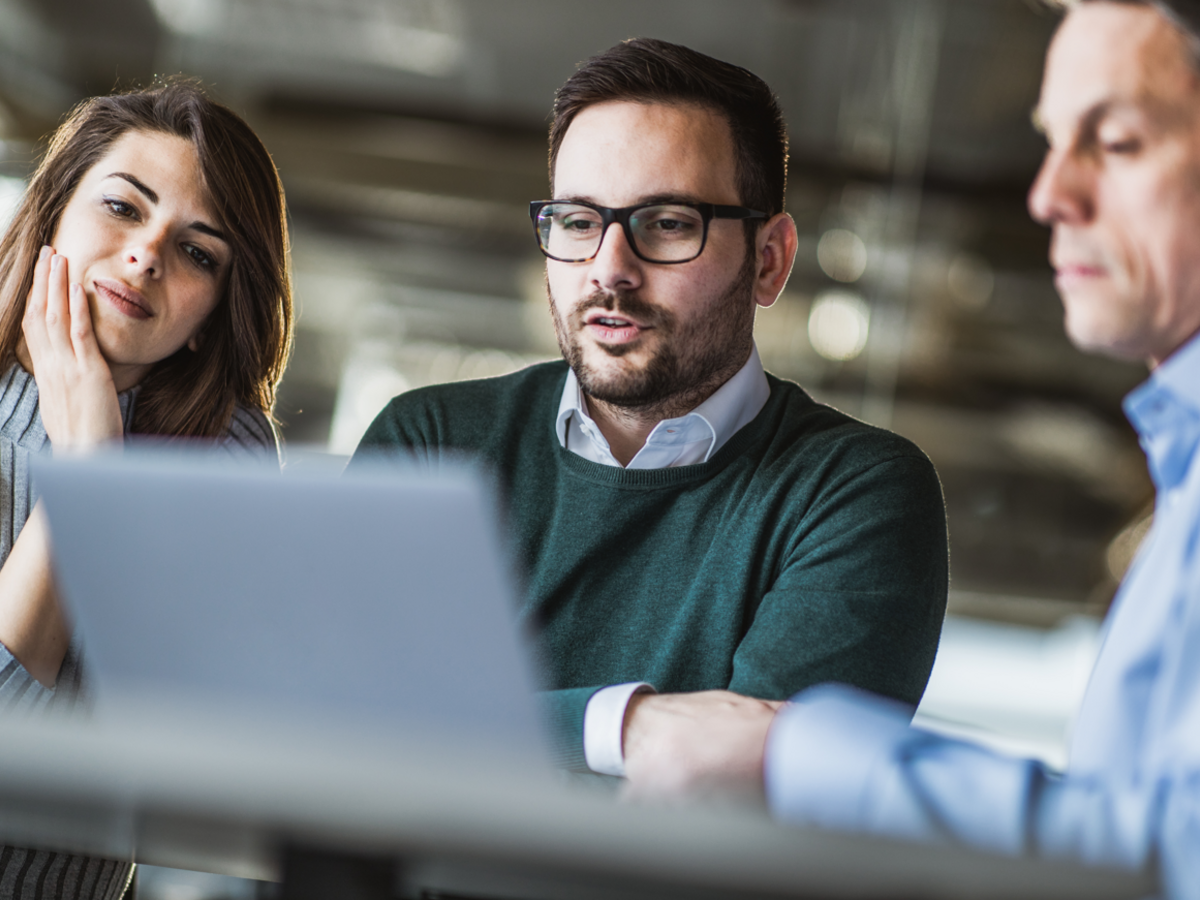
{"x":126,"y":377}
{"x":627,"y":427}
{"x":1154,"y":360}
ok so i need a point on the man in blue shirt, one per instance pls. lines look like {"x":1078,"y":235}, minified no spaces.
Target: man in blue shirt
{"x":1120,"y":189}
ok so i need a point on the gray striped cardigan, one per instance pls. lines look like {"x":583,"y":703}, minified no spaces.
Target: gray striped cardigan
{"x":27,"y":874}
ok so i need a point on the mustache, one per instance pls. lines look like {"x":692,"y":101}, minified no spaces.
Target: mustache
{"x":624,"y":302}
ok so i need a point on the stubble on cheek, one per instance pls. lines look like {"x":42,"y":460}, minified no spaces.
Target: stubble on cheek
{"x":685,"y":362}
{"x":636,"y":386}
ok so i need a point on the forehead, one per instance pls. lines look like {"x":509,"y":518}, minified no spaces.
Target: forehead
{"x":1115,"y":54}
{"x":166,"y":163}
{"x":619,"y":152}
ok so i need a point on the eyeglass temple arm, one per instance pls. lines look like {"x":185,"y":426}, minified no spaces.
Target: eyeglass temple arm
{"x":736,"y":212}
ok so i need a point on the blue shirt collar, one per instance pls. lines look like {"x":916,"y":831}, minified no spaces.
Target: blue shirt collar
{"x":1165,"y":410}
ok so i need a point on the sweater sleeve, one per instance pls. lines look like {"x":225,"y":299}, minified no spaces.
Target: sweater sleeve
{"x":861,"y":593}
{"x":250,"y":436}
{"x":562,"y":714}
{"x":21,"y":693}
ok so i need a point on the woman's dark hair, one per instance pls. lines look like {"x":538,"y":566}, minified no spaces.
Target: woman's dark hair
{"x":644,"y":70}
{"x":244,"y":344}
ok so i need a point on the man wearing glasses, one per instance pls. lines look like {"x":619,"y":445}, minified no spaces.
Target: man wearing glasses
{"x":1120,"y":190}
{"x":686,"y":522}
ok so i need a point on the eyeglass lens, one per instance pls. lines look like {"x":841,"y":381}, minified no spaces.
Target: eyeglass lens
{"x":661,"y":233}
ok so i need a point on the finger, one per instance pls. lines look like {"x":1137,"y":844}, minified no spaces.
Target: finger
{"x":36,"y":302}
{"x":58,"y":316}
{"x":33,"y":324}
{"x":83,"y":338}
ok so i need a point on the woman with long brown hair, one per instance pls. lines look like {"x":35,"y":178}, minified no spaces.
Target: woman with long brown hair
{"x":144,"y":289}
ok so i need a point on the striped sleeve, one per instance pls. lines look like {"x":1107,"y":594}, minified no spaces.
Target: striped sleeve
{"x":28,"y":874}
{"x":31,"y":874}
{"x":20,"y":692}
{"x":251,"y":436}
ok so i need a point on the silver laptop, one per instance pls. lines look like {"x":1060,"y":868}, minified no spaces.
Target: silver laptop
{"x":379,"y":600}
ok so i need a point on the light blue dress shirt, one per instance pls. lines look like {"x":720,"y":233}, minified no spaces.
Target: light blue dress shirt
{"x":1131,"y":792}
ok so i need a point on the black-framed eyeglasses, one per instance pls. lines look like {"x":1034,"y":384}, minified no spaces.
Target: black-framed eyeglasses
{"x":658,"y":232}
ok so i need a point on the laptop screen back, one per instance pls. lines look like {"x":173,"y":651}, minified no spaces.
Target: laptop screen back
{"x":381,"y":600}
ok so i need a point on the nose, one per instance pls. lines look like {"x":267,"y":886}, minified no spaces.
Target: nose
{"x":616,"y":266}
{"x":1063,"y":191}
{"x":145,"y":253}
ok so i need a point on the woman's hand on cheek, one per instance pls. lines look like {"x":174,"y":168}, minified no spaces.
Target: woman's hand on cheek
{"x":75,"y":386}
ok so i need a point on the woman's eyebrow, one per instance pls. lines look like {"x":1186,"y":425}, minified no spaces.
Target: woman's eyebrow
{"x":209,"y":230}
{"x":151,"y":195}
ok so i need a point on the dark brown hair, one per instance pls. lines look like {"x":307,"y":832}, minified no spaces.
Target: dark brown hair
{"x":244,"y":344}
{"x":645,"y":70}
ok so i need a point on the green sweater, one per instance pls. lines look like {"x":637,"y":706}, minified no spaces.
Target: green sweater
{"x":810,"y":548}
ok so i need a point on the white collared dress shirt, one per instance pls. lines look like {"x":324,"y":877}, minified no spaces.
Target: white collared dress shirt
{"x":684,"y":441}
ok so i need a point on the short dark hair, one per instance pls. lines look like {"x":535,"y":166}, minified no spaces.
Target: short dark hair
{"x":1183,"y":14}
{"x":244,"y":344}
{"x":645,"y":70}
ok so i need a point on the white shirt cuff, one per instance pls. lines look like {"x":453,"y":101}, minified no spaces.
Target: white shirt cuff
{"x":604,"y":727}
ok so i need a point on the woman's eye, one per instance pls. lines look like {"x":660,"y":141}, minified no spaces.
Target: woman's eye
{"x":200,"y":257}
{"x":120,"y":208}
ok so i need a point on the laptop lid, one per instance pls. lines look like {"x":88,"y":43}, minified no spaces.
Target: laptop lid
{"x":377,"y":600}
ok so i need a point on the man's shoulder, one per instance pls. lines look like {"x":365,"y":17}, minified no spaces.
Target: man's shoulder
{"x":459,"y":411}
{"x":528,"y":382}
{"x":809,"y":428}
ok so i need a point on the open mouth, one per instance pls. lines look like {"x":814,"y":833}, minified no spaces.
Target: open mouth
{"x":610,"y":327}
{"x":611,"y":322}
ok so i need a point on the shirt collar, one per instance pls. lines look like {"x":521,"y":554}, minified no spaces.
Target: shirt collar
{"x":731,"y":407}
{"x":1165,"y":410}
{"x":734,"y":404}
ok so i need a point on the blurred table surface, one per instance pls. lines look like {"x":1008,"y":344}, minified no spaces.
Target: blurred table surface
{"x":210,"y":791}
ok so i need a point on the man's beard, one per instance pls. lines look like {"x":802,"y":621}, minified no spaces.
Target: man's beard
{"x":692,"y":359}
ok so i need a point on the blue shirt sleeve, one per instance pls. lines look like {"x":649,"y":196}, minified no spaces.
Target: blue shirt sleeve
{"x":849,"y":761}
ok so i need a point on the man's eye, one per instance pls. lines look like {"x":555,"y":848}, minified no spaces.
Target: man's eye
{"x":669,"y":225}
{"x":1121,"y":147}
{"x":578,"y":225}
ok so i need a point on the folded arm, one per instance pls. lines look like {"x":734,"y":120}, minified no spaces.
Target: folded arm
{"x":860,"y":599}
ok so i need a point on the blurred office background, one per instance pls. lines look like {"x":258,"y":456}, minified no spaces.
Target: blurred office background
{"x":410,"y":135}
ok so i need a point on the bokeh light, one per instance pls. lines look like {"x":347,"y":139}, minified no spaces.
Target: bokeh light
{"x":838,"y":325}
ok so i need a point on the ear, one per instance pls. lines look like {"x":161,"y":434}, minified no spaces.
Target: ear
{"x":776,"y":251}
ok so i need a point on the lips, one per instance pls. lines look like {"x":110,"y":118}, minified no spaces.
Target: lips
{"x":1068,"y":274}
{"x":123,"y":298}
{"x":611,"y":327}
